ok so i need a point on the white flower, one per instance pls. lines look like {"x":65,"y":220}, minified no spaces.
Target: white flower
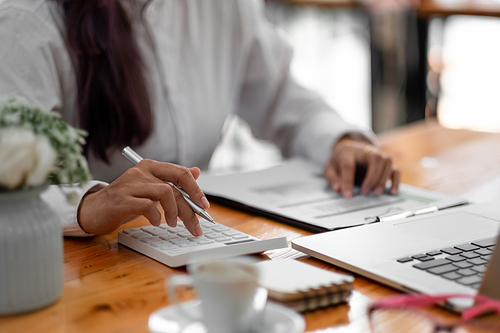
{"x":46,"y":158}
{"x":26,"y":158}
{"x":37,"y":147}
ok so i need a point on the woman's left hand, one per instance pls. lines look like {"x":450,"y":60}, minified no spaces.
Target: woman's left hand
{"x":349,"y":157}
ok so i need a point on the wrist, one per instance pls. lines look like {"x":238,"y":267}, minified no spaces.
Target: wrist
{"x":352,"y":136}
{"x":356,"y":136}
{"x":82,"y":215}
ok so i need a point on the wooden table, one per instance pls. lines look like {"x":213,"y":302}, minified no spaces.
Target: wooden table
{"x":430,"y":8}
{"x":110,"y":288}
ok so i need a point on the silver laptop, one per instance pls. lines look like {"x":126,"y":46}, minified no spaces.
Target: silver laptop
{"x":449,"y":251}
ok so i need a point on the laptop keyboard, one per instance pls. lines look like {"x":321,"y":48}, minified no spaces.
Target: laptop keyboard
{"x":463,"y":263}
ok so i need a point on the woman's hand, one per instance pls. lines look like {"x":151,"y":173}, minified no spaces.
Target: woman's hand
{"x":353,"y":157}
{"x":137,"y":192}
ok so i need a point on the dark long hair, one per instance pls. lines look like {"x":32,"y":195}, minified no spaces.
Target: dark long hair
{"x":113,"y":100}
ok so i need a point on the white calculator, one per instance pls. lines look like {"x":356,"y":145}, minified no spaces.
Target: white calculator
{"x":176,"y":247}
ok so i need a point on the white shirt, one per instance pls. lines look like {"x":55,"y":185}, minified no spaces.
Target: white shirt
{"x":204,"y":60}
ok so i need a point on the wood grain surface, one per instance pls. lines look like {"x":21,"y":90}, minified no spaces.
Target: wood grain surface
{"x":110,"y":288}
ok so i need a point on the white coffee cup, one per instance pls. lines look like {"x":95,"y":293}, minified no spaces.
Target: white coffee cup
{"x":231,"y":299}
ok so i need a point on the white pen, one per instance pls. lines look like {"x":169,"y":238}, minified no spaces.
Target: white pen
{"x":402,"y":214}
{"x":135,"y":158}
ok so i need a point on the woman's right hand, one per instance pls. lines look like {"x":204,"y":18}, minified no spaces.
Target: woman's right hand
{"x":137,"y":192}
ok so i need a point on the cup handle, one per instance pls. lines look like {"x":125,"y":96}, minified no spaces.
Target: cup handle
{"x":171,"y":286}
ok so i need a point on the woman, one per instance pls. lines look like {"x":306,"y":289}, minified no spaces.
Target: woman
{"x":162,"y":76}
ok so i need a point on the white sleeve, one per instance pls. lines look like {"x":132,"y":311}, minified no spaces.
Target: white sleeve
{"x":277,"y":107}
{"x":55,"y":197}
{"x":31,"y":56}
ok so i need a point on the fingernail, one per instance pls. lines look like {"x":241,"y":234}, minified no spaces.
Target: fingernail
{"x":379,"y":190}
{"x":198,"y":230}
{"x":347,"y":193}
{"x":205,"y":203}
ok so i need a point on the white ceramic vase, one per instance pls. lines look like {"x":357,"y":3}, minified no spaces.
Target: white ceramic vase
{"x":31,"y":252}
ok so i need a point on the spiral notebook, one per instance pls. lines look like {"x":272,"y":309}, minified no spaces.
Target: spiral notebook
{"x":303,"y":287}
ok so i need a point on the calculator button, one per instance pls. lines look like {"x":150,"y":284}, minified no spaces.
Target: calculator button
{"x":176,"y":229}
{"x":158,"y":232}
{"x":158,"y":243}
{"x":195,"y":238}
{"x":230,"y":233}
{"x":141,"y":235}
{"x":240,"y":236}
{"x":212,"y":235}
{"x":178,"y":241}
{"x":169,"y":236}
{"x":223,"y":239}
{"x":148,"y":239}
{"x":149,"y":228}
{"x":220,"y":228}
{"x":168,"y":247}
{"x":205,"y":241}
{"x":190,"y":244}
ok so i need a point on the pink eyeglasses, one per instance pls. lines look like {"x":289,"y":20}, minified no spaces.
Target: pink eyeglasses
{"x":482,"y":305}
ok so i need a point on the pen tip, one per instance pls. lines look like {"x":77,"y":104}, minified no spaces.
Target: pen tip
{"x":207,"y":217}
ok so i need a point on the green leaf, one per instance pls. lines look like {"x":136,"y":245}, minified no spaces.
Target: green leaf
{"x":71,"y":166}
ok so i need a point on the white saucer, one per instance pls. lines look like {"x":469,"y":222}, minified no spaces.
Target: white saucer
{"x":277,"y":319}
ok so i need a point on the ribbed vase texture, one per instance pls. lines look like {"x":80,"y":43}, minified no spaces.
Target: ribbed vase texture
{"x":31,"y":252}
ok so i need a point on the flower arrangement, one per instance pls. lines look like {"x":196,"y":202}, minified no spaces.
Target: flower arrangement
{"x":37,"y":147}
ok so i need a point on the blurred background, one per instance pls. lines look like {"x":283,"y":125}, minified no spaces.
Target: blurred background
{"x":385,"y":63}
